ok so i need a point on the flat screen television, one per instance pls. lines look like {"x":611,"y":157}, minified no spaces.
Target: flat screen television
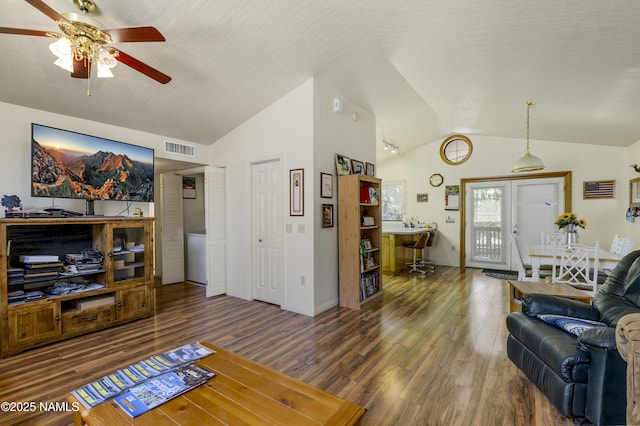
{"x":67,"y":164}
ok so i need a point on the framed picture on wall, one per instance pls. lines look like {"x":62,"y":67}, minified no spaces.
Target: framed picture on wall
{"x":327,"y":215}
{"x":326,"y":185}
{"x":296,"y":195}
{"x":188,"y":187}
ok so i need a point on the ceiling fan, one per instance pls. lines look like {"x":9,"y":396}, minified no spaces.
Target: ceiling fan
{"x":84,"y":44}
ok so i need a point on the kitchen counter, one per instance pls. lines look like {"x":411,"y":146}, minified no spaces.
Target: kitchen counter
{"x":394,"y":255}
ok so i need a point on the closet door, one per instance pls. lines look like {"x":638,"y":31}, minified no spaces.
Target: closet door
{"x":172,"y":228}
{"x":216,"y":224}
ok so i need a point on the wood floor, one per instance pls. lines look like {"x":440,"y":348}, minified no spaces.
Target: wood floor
{"x":427,"y":352}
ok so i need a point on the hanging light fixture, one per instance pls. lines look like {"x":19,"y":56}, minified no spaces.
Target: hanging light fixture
{"x":528,"y":162}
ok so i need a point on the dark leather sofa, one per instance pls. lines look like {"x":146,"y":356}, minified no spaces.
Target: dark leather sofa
{"x":585,"y":376}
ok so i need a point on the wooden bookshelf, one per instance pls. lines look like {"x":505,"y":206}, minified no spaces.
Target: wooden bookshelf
{"x":359,"y":235}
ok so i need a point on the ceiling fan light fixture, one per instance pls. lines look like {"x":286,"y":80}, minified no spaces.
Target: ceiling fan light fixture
{"x":62,"y":49}
{"x":84,"y":46}
{"x":528,"y":162}
{"x":105,"y":61}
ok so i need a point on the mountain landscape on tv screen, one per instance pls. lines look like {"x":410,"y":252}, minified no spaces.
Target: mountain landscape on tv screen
{"x":99,"y":176}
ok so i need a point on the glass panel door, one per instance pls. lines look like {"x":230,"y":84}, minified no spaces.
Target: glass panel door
{"x":488,"y":224}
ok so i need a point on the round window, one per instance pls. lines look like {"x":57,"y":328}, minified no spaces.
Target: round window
{"x":456,"y":149}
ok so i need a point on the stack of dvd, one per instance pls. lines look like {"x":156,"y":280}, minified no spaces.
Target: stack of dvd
{"x":15,"y":275}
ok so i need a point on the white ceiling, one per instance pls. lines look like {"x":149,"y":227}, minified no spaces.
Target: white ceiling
{"x":425,"y":68}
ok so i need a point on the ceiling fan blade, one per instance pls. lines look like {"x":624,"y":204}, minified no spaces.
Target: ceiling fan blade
{"x":80,"y":69}
{"x":42,"y":7}
{"x":20,"y":31}
{"x":136,"y":34}
{"x":139,"y":66}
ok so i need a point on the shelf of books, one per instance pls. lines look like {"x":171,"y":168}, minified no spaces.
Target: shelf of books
{"x":359,"y":235}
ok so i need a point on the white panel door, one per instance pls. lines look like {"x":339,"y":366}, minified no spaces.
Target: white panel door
{"x":171,"y":228}
{"x":536,"y":205}
{"x":267,"y":257}
{"x":216,"y":224}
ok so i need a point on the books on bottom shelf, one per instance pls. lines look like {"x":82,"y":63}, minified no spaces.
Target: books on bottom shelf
{"x":369,"y":285}
{"x":122,"y":380}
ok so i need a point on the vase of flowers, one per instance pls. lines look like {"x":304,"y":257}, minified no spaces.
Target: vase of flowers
{"x":570,"y":223}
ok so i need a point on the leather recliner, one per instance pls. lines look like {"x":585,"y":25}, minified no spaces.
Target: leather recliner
{"x":585,"y":376}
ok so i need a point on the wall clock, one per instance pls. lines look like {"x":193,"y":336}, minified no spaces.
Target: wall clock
{"x":436,"y":179}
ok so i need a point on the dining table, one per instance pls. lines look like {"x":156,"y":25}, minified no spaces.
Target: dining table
{"x":545,"y":255}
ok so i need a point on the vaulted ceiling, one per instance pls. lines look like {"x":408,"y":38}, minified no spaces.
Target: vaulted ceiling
{"x":425,"y":68}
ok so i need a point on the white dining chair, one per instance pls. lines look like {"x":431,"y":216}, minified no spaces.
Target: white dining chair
{"x":577,"y":266}
{"x":615,"y":244}
{"x":524,"y":271}
{"x":551,"y":239}
{"x":625,"y":246}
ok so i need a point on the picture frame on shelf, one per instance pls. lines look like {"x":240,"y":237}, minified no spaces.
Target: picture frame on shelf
{"x":357,"y":167}
{"x":368,"y":221}
{"x":370,"y":169}
{"x":296,"y":192}
{"x":374,"y":197}
{"x":371,"y":261}
{"x":327,"y":215}
{"x":343,"y":165}
{"x":326,"y":185}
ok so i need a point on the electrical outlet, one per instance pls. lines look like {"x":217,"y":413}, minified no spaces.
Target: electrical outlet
{"x":288,"y":228}
{"x":453,"y":248}
{"x":302,"y":280}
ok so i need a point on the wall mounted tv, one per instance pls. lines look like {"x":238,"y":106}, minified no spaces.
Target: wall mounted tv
{"x":67,"y":164}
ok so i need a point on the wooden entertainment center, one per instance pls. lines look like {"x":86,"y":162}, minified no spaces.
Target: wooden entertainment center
{"x":117,"y":290}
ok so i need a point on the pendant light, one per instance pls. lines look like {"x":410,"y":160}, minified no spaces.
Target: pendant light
{"x":528,"y":162}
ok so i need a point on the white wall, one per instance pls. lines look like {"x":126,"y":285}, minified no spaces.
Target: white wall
{"x":494,"y":156}
{"x":284,"y":131}
{"x":302,"y":130}
{"x":15,"y":145}
{"x":334,"y":133}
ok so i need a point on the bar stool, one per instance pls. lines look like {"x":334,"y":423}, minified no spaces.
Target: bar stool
{"x":418,"y":264}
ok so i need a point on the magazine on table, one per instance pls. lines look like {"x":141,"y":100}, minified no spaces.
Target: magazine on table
{"x":115,"y":383}
{"x":143,"y":397}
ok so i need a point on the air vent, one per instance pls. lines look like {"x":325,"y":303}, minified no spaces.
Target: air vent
{"x":180,"y":149}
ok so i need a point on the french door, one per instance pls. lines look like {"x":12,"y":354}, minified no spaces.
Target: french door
{"x":496,"y":209}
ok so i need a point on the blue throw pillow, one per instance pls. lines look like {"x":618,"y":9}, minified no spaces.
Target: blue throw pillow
{"x":569,"y":324}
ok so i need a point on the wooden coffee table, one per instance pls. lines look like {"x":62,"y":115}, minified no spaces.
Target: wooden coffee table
{"x":242,"y":392}
{"x":519,"y":289}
